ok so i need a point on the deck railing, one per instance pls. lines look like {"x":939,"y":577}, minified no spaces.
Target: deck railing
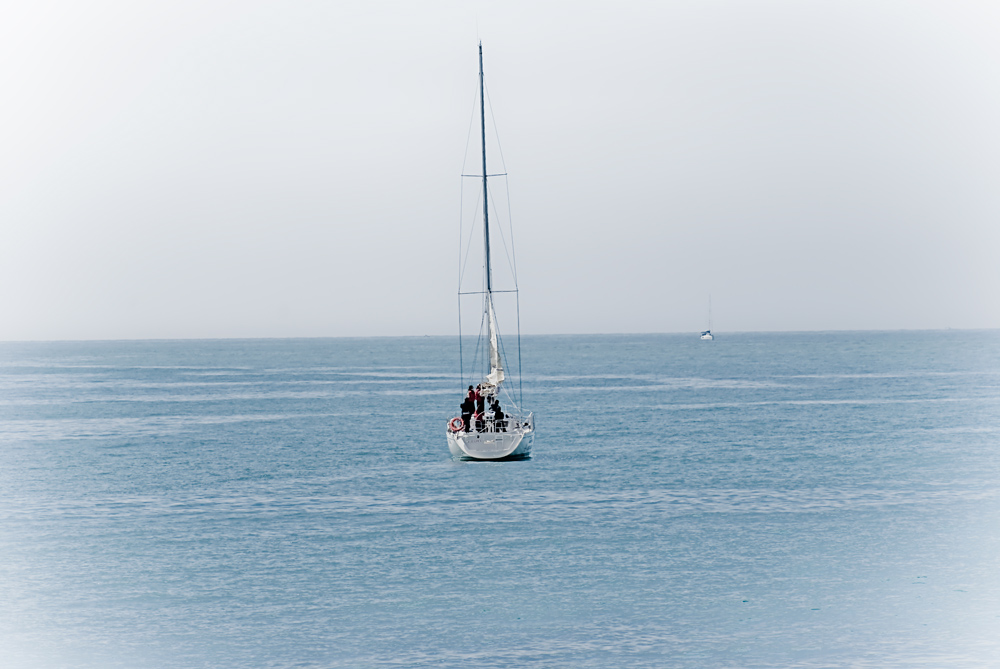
{"x":510,"y":423}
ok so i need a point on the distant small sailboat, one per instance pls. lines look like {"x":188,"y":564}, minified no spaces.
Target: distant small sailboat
{"x":484,"y":431}
{"x":707,"y":334}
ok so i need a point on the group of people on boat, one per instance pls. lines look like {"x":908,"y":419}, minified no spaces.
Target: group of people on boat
{"x":476,"y":415}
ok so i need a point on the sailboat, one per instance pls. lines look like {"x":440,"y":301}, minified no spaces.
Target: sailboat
{"x":707,"y":334}
{"x":489,"y":432}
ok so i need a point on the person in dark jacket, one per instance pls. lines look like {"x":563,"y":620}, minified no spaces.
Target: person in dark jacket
{"x":499,"y":418}
{"x":468,"y":406}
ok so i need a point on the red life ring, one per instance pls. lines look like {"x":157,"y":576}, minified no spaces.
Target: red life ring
{"x":456,"y":424}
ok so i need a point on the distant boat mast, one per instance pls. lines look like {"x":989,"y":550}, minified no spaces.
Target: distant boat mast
{"x":707,"y":334}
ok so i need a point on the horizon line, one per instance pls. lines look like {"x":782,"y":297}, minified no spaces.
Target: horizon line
{"x":548,"y":334}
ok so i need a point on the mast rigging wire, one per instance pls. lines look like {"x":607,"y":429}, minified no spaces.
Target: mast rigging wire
{"x":461,"y":264}
{"x":503,"y":239}
{"x":465,"y":262}
{"x":509,"y":252}
{"x":512,"y":259}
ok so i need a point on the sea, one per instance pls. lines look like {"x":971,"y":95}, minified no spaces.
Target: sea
{"x":825,"y":499}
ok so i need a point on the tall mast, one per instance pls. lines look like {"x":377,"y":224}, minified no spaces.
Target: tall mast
{"x":486,"y":212}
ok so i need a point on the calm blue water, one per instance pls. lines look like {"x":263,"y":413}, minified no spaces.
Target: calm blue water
{"x":808,"y":500}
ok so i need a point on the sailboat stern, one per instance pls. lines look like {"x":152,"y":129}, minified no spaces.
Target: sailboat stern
{"x":492,"y":445}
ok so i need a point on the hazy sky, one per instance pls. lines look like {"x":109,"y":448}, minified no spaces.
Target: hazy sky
{"x":245,"y":169}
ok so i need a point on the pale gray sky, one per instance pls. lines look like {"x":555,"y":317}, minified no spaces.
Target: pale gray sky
{"x":244,"y":169}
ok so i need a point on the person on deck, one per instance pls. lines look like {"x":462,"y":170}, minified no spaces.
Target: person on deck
{"x":480,"y":400}
{"x":468,"y":406}
{"x":499,"y":419}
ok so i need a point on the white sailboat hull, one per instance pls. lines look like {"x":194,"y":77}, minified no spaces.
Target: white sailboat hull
{"x":491,"y":445}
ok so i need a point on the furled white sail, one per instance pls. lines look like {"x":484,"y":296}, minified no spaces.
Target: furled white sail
{"x":495,"y":377}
